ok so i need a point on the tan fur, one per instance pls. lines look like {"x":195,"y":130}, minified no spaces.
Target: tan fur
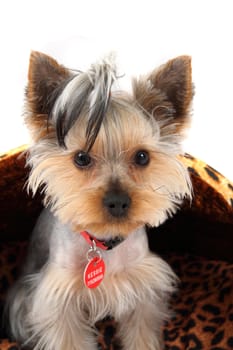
{"x":76,"y":195}
{"x":54,"y":310}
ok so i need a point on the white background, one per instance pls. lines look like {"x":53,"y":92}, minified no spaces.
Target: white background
{"x":144,"y":34}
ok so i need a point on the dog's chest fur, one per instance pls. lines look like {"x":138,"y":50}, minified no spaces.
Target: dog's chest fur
{"x":132,"y":272}
{"x":69,"y":249}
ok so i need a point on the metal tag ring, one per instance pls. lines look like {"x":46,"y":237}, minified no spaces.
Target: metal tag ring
{"x":93,"y":253}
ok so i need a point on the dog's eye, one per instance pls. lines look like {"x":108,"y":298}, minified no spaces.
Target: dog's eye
{"x":142,"y":158}
{"x":82,"y":159}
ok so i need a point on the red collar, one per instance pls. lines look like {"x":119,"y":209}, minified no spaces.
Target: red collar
{"x":104,"y":245}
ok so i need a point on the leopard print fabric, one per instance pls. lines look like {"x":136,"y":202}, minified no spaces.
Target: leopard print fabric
{"x":203,"y":305}
{"x":197,"y":243}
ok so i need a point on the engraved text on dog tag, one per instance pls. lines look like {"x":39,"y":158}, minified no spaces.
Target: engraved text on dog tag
{"x":94,"y":272}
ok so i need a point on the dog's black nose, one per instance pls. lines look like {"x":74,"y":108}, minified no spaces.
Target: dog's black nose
{"x":117,"y":203}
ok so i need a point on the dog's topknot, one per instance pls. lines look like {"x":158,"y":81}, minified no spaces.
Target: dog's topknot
{"x":86,"y":93}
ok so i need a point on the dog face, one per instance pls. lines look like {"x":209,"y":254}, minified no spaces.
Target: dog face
{"x":108,"y":161}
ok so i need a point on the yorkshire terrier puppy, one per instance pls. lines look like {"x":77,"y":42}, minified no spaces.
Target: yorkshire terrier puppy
{"x":107,"y":162}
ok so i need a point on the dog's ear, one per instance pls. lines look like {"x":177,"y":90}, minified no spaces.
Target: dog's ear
{"x":167,"y":93}
{"x":44,"y":76}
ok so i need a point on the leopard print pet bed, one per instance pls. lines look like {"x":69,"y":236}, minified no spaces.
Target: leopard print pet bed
{"x":197,"y":243}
